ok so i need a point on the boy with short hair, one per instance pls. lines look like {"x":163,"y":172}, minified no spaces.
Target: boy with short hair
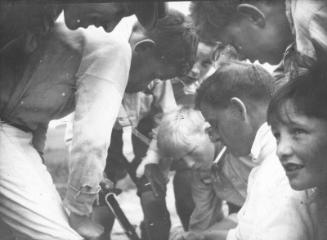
{"x":263,"y":30}
{"x":234,"y":101}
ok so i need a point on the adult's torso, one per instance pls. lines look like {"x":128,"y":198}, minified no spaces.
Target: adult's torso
{"x":38,"y":87}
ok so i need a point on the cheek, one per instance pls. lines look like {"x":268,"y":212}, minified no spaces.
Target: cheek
{"x":317,"y":156}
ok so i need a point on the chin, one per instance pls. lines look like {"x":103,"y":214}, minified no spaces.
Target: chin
{"x":299,"y":185}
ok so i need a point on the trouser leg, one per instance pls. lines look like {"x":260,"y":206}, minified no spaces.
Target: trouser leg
{"x":29,"y":201}
{"x":156,"y":216}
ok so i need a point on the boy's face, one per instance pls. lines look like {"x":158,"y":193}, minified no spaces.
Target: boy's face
{"x":106,"y":15}
{"x":265,"y":43}
{"x":232,"y":130}
{"x":202,"y":154}
{"x":147,"y":66}
{"x":203,"y":64}
{"x":302,"y":148}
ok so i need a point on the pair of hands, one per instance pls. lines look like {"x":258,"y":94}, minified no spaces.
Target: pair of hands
{"x":180,"y":234}
{"x":87,"y":228}
{"x":84,"y":225}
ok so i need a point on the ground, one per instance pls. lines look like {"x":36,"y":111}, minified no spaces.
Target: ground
{"x":56,"y":161}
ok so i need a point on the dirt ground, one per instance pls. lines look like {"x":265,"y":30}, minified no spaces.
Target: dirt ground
{"x":56,"y":160}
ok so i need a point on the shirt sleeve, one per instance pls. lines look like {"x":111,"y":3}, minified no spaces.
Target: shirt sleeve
{"x":274,"y":213}
{"x":208,"y":207}
{"x":101,"y":82}
{"x":164,"y":100}
{"x":318,"y":27}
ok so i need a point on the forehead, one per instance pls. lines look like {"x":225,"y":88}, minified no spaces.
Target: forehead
{"x":209,"y":112}
{"x":288,"y":114}
{"x":204,"y":51}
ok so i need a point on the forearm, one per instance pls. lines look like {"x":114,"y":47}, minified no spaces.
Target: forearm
{"x":93,"y":123}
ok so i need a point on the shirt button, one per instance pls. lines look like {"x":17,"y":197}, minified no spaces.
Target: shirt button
{"x":22,"y":102}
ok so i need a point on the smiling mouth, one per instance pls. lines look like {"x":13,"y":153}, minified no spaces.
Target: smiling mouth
{"x":291,"y":167}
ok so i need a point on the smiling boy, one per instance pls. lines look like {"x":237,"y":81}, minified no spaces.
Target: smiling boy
{"x":234,"y":101}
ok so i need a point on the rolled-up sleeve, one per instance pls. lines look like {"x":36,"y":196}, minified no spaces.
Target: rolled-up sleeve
{"x":101,"y":82}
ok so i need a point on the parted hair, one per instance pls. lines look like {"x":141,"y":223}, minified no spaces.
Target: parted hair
{"x":307,"y":93}
{"x":247,"y":81}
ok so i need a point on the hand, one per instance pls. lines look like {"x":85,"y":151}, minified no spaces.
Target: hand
{"x":176,"y":233}
{"x":85,"y":226}
{"x":193,"y":236}
{"x":140,"y":169}
{"x":157,"y":179}
{"x":106,"y":184}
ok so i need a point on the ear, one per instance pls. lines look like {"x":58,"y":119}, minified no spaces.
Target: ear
{"x":252,"y":13}
{"x":240,"y":108}
{"x":144,"y":45}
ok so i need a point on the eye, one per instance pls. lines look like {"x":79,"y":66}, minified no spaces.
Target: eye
{"x":206,"y":63}
{"x":298,"y":132}
{"x":276,"y":135}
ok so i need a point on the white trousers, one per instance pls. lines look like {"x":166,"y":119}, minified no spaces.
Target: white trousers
{"x":29,"y":201}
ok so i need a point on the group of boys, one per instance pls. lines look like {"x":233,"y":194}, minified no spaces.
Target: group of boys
{"x":234,"y":101}
{"x":48,"y":70}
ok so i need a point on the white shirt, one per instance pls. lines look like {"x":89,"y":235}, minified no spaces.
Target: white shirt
{"x":272,"y":209}
{"x":308,"y":21}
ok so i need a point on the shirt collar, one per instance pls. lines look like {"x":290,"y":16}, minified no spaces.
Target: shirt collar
{"x":262,"y":140}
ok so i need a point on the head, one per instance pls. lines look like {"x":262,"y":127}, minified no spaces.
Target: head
{"x":234,"y":101}
{"x":36,"y":19}
{"x":182,"y":135}
{"x":166,"y":51}
{"x":109,"y":14}
{"x":204,"y":62}
{"x":259,"y":30}
{"x":298,"y":117}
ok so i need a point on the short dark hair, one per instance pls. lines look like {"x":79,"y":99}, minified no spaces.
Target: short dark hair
{"x":176,"y":40}
{"x":211,"y":17}
{"x":236,"y":79}
{"x":307,"y":92}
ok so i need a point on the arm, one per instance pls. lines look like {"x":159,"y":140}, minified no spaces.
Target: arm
{"x":102,"y":79}
{"x":208,"y":207}
{"x":164,"y":100}
{"x":39,"y":138}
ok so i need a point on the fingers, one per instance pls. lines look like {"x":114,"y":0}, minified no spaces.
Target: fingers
{"x":85,"y":226}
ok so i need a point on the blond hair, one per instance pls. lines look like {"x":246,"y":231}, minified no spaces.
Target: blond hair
{"x":178,"y":131}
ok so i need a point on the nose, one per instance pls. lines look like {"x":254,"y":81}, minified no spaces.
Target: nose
{"x":284,"y":149}
{"x":213,"y":135}
{"x":194,"y":73}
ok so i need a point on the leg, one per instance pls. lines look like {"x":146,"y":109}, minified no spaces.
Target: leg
{"x":156,"y":221}
{"x":183,"y":196}
{"x":30,"y":204}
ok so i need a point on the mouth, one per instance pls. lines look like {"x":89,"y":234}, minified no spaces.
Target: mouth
{"x":292,"y":167}
{"x":189,"y":80}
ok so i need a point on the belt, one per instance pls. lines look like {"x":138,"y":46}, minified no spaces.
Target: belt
{"x":21,"y":127}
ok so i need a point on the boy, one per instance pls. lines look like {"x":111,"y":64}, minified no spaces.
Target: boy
{"x":262,"y":30}
{"x":234,"y":101}
{"x":86,"y":70}
{"x":183,"y":136}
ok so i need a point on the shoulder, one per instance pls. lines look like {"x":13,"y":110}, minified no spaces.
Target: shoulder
{"x":92,"y":41}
